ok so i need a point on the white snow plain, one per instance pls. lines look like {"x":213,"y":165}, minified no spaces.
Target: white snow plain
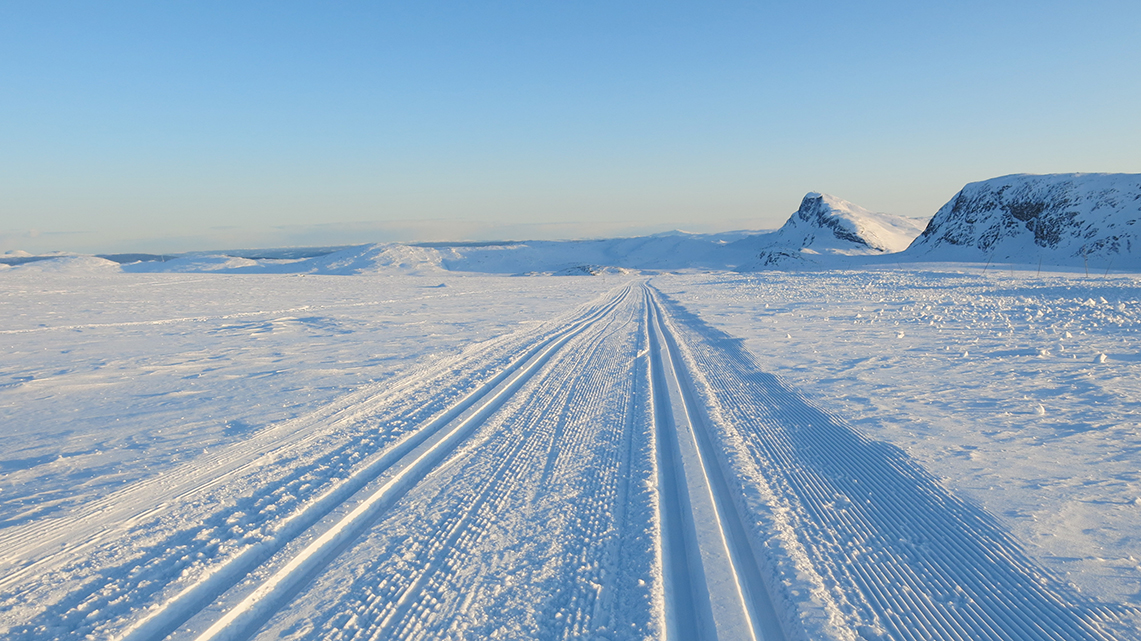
{"x":908,"y":452}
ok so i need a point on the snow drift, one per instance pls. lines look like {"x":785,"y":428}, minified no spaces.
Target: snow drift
{"x":1060,"y":219}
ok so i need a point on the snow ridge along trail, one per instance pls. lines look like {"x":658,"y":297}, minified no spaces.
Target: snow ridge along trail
{"x":862,"y":541}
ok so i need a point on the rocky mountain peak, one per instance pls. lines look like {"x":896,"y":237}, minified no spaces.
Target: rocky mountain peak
{"x":1063,"y":218}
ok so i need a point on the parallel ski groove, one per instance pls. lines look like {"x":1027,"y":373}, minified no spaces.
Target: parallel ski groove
{"x":85,"y":610}
{"x":681,"y":605}
{"x":421,"y":583}
{"x":250,"y":614}
{"x":519,"y":450}
{"x":748,"y":610}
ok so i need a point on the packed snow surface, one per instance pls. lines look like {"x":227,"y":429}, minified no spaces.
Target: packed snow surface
{"x":1059,"y":219}
{"x":406,"y":452}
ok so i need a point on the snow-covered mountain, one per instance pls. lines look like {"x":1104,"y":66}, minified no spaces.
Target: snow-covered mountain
{"x":1057,"y":219}
{"x":826,"y":225}
{"x":1060,"y":219}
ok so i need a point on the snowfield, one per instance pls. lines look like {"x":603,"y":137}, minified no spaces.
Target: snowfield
{"x":897,"y":452}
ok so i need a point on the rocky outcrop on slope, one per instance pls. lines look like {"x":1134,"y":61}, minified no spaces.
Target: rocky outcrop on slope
{"x":826,"y":225}
{"x":1056,"y":218}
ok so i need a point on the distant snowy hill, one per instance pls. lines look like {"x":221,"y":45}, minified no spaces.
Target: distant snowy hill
{"x":1058,"y":219}
{"x":674,"y":250}
{"x":360,"y":259}
{"x":1061,"y":219}
{"x":669,"y":251}
{"x":827,"y":225}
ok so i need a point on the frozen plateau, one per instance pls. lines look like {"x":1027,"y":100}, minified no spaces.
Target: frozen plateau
{"x":858,"y":426}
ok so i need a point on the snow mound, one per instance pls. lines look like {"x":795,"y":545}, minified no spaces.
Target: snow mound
{"x":68,"y":264}
{"x":593,"y":270}
{"x":1061,"y":219}
{"x":379,"y":258}
{"x":827,"y":225}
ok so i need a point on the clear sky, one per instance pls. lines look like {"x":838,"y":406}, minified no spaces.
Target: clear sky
{"x":171,"y":126}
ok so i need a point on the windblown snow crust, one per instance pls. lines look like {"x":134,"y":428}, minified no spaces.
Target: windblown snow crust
{"x":1062,"y":219}
{"x":826,"y":224}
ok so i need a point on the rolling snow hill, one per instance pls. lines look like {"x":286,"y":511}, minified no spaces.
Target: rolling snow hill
{"x":670,"y":251}
{"x":823,"y":226}
{"x":1057,"y":219}
{"x":1060,"y":219}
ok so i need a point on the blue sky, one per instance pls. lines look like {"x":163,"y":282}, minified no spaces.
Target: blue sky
{"x":194,"y":125}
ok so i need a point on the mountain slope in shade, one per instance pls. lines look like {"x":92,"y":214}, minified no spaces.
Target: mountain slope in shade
{"x":826,"y":224}
{"x":1061,"y":219}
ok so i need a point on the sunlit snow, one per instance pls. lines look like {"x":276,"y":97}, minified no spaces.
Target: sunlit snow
{"x":174,"y":440}
{"x":636,"y":438}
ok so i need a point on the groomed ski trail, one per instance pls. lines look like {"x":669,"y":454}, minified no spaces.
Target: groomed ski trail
{"x":408,"y":462}
{"x":862,"y":541}
{"x":714,"y":586}
{"x":622,"y":472}
{"x":557,"y":480}
{"x":323,"y":457}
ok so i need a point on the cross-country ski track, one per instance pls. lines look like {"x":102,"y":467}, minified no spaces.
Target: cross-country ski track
{"x":623,"y":472}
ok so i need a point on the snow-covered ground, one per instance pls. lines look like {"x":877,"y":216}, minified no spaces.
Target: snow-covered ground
{"x":418,"y":453}
{"x":1019,"y":390}
{"x":110,"y":377}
